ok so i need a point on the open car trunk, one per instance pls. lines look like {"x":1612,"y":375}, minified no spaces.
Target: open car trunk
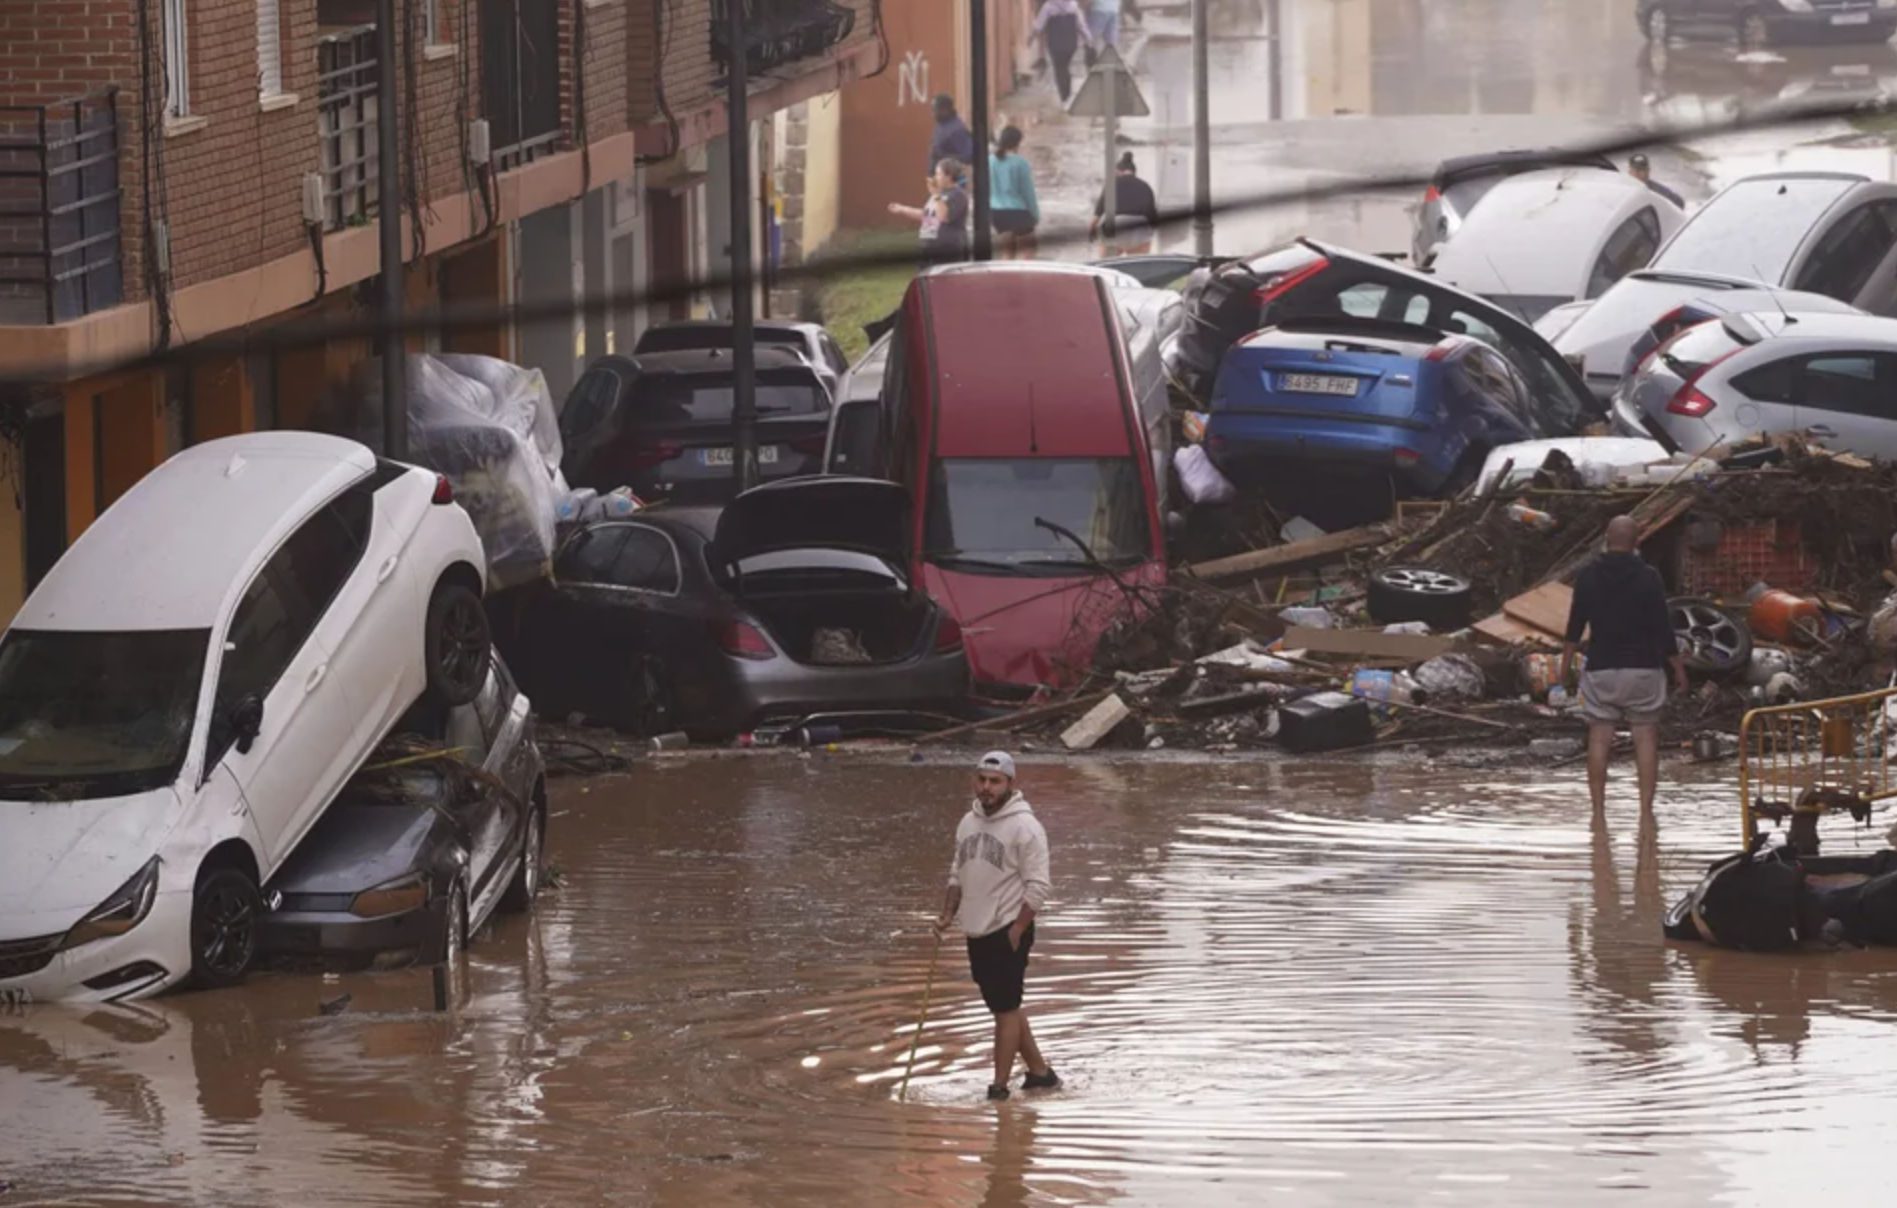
{"x":844,"y":629}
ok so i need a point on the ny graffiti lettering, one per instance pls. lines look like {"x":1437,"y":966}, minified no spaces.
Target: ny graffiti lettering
{"x":912,"y":79}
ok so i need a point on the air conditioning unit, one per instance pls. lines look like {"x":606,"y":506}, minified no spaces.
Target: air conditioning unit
{"x":313,"y":208}
{"x":480,"y":142}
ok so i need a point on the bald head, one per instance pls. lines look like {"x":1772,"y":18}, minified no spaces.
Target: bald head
{"x":1623,"y":535}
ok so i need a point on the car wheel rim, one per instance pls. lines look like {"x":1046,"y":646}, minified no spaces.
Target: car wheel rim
{"x":1423,"y":582}
{"x":530,"y":871}
{"x":228,"y":931}
{"x":1708,"y":634}
{"x":463,"y":642}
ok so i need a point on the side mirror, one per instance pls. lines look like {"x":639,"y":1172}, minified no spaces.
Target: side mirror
{"x":246,"y":721}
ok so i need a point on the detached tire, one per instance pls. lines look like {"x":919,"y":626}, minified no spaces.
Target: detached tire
{"x":224,"y":911}
{"x":1400,"y":594}
{"x":1712,"y":639}
{"x":456,"y":645}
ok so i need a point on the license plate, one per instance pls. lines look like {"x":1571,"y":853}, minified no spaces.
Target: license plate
{"x":766,"y":456}
{"x":1851,"y":19}
{"x":1319,"y":383}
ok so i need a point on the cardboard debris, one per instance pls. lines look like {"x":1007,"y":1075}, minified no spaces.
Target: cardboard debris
{"x":1545,"y":608}
{"x":1367,"y":643}
{"x":1096,"y":725}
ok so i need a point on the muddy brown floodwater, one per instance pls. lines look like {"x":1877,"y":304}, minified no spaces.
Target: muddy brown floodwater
{"x":1320,"y":982}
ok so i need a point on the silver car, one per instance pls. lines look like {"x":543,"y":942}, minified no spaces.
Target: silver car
{"x":1457,"y":184}
{"x":1832,"y":377}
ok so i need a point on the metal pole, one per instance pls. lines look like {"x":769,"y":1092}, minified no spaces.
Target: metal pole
{"x":743,"y":332}
{"x":1201,"y":131}
{"x":1277,"y":60}
{"x":1110,"y":76}
{"x":388,"y":200}
{"x":984,"y":245}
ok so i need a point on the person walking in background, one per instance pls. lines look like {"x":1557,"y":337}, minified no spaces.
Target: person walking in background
{"x":953,"y":139}
{"x":998,"y":884}
{"x":1642,"y":171}
{"x":1135,"y":214}
{"x":1620,"y":604}
{"x":1015,"y":210}
{"x":942,"y":220}
{"x":1103,"y":27}
{"x":1059,"y":26}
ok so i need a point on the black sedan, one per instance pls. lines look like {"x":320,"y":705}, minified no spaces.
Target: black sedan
{"x":660,"y":423}
{"x":446,"y":825}
{"x":793,"y":605}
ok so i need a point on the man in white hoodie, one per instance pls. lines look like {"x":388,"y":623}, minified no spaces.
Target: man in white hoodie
{"x":997,"y":883}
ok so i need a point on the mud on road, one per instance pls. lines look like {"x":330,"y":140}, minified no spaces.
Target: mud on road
{"x":1341,"y":981}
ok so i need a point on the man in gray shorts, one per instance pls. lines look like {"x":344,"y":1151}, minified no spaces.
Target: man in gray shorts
{"x":1620,"y":604}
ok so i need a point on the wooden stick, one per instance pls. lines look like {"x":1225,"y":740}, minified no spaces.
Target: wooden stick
{"x":1012,"y":721}
{"x":928,"y":993}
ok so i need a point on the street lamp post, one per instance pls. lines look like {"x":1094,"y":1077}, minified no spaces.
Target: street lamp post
{"x":388,"y":200}
{"x":984,"y":245}
{"x":1201,"y":131}
{"x":743,"y":331}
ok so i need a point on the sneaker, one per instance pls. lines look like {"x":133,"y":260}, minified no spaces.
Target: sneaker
{"x":997,"y":1093}
{"x":1042,"y":1082}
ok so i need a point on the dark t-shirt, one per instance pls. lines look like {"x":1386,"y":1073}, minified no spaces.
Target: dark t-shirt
{"x":950,"y":233}
{"x":1621,"y":603}
{"x":1132,"y":200}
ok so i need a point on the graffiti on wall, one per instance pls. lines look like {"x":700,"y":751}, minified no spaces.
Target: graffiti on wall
{"x":912,"y":79}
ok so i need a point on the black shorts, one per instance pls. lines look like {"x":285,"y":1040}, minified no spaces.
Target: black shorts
{"x":1013,"y":222}
{"x":1000,"y":970}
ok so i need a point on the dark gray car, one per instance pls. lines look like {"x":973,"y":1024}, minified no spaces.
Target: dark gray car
{"x":410,"y":860}
{"x":1756,"y":24}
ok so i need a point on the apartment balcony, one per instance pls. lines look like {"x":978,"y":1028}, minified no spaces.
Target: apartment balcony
{"x":780,"y":32}
{"x":60,"y":253}
{"x":346,"y":77}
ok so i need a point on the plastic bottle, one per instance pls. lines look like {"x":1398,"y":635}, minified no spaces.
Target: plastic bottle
{"x":1558,"y":697}
{"x":1534,"y":518}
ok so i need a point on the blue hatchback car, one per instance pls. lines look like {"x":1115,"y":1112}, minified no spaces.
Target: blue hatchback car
{"x":1343,"y":393}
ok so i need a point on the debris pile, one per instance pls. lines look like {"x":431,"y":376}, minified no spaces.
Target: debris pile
{"x":1444,"y":624}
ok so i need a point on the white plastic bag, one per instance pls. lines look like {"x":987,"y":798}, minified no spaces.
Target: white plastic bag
{"x":522,"y":402}
{"x":1201,"y":479}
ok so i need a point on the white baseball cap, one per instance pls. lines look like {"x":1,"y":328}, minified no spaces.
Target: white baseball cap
{"x":997,"y":761}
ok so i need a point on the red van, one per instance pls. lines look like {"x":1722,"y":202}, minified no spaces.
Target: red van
{"x":1033,"y":453}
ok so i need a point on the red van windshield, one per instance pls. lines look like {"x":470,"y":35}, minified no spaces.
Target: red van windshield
{"x":1004,"y":515}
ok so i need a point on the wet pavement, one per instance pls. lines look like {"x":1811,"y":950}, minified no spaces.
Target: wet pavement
{"x":1348,"y":982}
{"x":1358,"y":88}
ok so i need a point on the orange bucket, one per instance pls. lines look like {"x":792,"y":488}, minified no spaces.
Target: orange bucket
{"x":1779,"y":616}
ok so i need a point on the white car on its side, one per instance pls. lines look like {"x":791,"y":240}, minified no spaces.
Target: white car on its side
{"x":187,"y":689}
{"x":1543,"y":239}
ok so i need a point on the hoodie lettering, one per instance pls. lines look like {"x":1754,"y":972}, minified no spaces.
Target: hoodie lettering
{"x":980,"y":844}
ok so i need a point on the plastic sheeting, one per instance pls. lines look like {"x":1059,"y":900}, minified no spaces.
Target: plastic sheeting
{"x":491,"y":431}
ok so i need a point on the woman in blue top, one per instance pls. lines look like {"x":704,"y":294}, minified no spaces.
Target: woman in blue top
{"x":1015,"y":210}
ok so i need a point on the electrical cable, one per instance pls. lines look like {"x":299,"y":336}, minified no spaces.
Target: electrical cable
{"x":662,"y":26}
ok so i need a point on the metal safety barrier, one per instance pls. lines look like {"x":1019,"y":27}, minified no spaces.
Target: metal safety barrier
{"x":1800,"y":761}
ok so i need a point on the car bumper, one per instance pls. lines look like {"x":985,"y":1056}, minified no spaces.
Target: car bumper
{"x":1237,"y":441}
{"x":151,"y":957}
{"x":347,"y":939}
{"x":780,"y":690}
{"x":1872,"y":26}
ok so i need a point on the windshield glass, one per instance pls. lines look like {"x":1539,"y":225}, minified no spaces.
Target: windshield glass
{"x":672,"y":400}
{"x":96,"y":714}
{"x":1752,"y":229}
{"x":1698,"y":347}
{"x":993,"y":514}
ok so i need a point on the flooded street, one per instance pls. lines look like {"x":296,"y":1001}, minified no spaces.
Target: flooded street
{"x":1347,"y":982}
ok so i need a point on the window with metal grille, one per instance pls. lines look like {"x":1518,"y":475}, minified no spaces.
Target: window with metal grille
{"x":177,"y":59}
{"x":269,"y":48}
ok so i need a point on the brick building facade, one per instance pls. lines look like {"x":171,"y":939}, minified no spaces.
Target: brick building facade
{"x":159,"y":160}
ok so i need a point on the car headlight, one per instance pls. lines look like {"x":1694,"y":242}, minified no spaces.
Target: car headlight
{"x":393,"y":897}
{"x":118,"y":914}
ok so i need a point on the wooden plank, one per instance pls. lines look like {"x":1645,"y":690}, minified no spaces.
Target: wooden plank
{"x":1367,"y":643}
{"x":1014,"y":721}
{"x":1507,"y":631}
{"x":1096,"y":725}
{"x":1545,"y":608}
{"x":1292,"y":556}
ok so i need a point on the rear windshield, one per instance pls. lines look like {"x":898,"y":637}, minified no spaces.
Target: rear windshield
{"x":90,"y":715}
{"x":1698,"y":347}
{"x":1001,"y":515}
{"x":685,"y":339}
{"x":1752,"y":229}
{"x":683,"y":400}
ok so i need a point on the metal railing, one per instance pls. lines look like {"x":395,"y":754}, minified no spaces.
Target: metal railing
{"x":1801,"y":761}
{"x":346,"y":78}
{"x":59,"y":209}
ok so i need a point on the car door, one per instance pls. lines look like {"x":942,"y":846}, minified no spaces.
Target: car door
{"x":373,"y":627}
{"x":1847,"y":401}
{"x":1630,"y":247}
{"x":493,"y":819}
{"x":273,"y":653}
{"x":1843,"y":260}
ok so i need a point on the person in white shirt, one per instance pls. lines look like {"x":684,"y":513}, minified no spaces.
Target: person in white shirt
{"x":998,"y":883}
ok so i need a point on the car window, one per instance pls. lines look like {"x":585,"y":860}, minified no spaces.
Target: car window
{"x":320,"y":556}
{"x":589,"y":407}
{"x":1847,"y":254}
{"x":833,"y":353}
{"x":589,"y":556}
{"x":1364,"y":300}
{"x":1630,"y":247}
{"x":1488,"y":377}
{"x":1776,"y":382}
{"x":1852,"y":383}
{"x":494,"y":702}
{"x":1555,"y":407}
{"x":1754,"y":227}
{"x":647,"y":561}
